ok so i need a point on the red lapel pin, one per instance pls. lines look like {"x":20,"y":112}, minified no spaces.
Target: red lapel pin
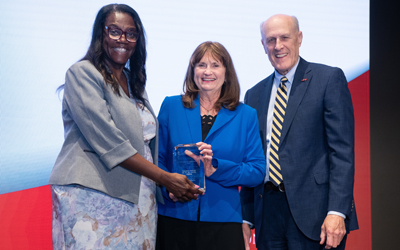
{"x":305,"y":79}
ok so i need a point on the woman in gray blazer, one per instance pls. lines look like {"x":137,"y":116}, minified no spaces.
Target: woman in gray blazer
{"x":104,"y":180}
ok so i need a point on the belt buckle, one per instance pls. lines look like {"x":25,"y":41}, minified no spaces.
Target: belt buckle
{"x":280,"y":189}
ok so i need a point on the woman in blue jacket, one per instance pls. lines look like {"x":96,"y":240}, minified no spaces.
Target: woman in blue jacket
{"x":226,"y":132}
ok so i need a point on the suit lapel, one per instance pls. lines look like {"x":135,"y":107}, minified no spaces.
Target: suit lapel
{"x":265,"y":96}
{"x":301,"y":80}
{"x":193,"y":117}
{"x":194,"y":121}
{"x":262,"y":104}
{"x":258,"y":98}
{"x":224,"y":116}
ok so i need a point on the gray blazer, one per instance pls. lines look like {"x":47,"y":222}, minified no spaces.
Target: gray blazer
{"x":101,"y":130}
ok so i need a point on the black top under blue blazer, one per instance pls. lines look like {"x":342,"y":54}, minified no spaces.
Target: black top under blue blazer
{"x":236,"y":149}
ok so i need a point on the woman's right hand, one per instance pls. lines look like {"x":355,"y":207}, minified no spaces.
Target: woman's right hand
{"x":206,"y":156}
{"x":174,"y":199}
{"x":181,"y":187}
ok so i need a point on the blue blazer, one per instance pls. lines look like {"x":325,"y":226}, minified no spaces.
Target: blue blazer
{"x":236,"y":147}
{"x":316,"y":149}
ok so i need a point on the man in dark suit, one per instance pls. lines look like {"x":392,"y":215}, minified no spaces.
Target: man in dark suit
{"x":306,"y":125}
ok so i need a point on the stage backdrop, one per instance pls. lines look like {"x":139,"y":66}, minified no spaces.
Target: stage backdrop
{"x":41,"y":39}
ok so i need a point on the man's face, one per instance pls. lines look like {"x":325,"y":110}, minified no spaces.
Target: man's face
{"x":281,"y":42}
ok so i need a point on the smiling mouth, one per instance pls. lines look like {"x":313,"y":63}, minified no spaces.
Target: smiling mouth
{"x":281,"y":55}
{"x":208,"y":79}
{"x":120,"y":50}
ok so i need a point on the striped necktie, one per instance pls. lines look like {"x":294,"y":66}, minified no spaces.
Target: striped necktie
{"x":275,"y":172}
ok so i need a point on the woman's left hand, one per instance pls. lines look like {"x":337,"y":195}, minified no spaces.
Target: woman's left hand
{"x":206,"y":156}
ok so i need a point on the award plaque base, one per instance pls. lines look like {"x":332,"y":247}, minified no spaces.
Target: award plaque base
{"x":186,"y":165}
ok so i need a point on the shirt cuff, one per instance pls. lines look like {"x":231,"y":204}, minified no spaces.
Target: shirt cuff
{"x":247,"y":222}
{"x":337,"y":213}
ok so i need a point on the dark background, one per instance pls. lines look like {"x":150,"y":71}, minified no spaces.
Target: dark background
{"x":384,"y":117}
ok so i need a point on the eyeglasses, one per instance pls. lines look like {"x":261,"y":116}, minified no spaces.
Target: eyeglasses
{"x":116,"y":33}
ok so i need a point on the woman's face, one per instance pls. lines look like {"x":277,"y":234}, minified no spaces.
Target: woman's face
{"x":118,"y":51}
{"x":209,"y":74}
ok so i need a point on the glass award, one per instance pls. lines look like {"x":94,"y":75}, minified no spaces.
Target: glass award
{"x":186,"y":165}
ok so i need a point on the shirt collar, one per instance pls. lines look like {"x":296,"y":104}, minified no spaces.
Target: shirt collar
{"x":290,"y":74}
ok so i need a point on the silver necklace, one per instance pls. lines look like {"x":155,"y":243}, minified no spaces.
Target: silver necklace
{"x":208,"y":110}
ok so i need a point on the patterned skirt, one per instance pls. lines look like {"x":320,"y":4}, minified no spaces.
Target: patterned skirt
{"x":84,"y":218}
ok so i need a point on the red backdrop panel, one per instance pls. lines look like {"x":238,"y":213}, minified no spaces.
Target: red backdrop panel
{"x":361,"y":239}
{"x":25,"y":219}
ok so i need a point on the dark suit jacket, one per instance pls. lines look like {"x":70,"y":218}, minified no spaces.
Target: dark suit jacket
{"x":316,"y":149}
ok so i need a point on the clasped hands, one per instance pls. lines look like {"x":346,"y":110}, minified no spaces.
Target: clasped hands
{"x":206,"y":156}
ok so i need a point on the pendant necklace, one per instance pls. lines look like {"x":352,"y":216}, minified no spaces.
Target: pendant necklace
{"x":208,"y":110}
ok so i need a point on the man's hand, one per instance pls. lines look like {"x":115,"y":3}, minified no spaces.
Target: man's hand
{"x":246,"y":235}
{"x":332,"y":231}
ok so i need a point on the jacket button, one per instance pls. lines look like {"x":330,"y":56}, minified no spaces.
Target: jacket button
{"x":260,"y":196}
